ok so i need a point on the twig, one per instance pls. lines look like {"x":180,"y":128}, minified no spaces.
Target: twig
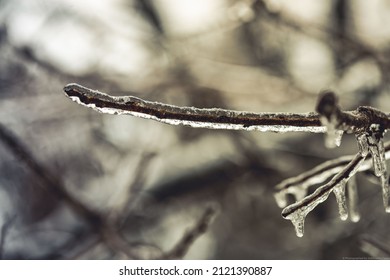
{"x":181,"y":248}
{"x":353,"y":121}
{"x":320,"y":173}
{"x":49,"y":181}
{"x":190,"y":116}
{"x":346,"y":173}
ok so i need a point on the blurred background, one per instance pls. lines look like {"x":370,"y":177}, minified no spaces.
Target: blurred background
{"x":76,"y":184}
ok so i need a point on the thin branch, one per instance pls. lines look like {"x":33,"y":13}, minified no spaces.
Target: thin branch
{"x":3,"y":233}
{"x":49,"y":181}
{"x":190,"y":116}
{"x":348,"y":171}
{"x":374,"y":247}
{"x":181,"y":248}
{"x":323,"y":171}
{"x":354,"y":121}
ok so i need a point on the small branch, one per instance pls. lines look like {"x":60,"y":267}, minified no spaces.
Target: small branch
{"x":190,"y":116}
{"x":181,"y":248}
{"x":345,"y":174}
{"x":374,"y":247}
{"x":323,"y":171}
{"x":354,"y":121}
{"x":49,"y":181}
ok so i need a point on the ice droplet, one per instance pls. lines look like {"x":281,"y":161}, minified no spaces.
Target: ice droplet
{"x":362,"y":144}
{"x":385,"y":191}
{"x":339,"y":192}
{"x":352,"y":200}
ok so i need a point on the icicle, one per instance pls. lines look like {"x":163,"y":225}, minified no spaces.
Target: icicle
{"x":339,"y":192}
{"x":337,"y":138}
{"x":377,"y":150}
{"x":333,"y":136}
{"x":298,"y":220}
{"x":352,"y":200}
{"x":362,"y":144}
{"x":386,"y":191}
{"x":297,"y":216}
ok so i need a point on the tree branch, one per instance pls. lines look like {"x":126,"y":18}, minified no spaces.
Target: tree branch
{"x":194,"y":117}
{"x":353,"y":121}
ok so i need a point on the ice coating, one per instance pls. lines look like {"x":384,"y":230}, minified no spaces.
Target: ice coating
{"x":362,"y":143}
{"x":339,"y":192}
{"x":204,"y":118}
{"x":353,"y":200}
{"x":377,"y":151}
{"x":298,"y":211}
{"x":317,"y":175}
{"x":298,"y":185}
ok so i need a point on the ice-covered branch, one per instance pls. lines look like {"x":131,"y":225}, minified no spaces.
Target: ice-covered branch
{"x":344,"y":168}
{"x":190,"y":116}
{"x":326,"y":120}
{"x":298,"y":211}
{"x":368,"y":124}
{"x":337,"y":121}
{"x":299,"y":185}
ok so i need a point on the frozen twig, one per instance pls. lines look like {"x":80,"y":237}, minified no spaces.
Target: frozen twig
{"x":343,"y":169}
{"x":299,"y":184}
{"x":351,"y":122}
{"x":297,"y":212}
{"x":337,"y":121}
{"x":190,"y":116}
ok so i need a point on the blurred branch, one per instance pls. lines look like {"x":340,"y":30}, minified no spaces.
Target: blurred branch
{"x":374,"y":247}
{"x":54,"y":185}
{"x":107,"y":230}
{"x":3,"y":233}
{"x":49,"y":181}
{"x":182,"y":247}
